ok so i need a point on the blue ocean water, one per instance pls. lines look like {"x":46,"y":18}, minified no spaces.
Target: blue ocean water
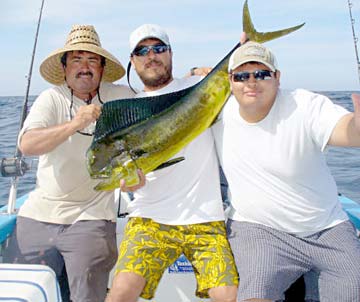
{"x":344,"y":163}
{"x":11,"y":108}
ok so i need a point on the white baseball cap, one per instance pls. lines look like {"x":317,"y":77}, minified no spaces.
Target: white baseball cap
{"x":147,"y":31}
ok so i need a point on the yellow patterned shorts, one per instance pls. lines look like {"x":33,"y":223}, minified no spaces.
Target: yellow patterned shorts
{"x":148,"y":248}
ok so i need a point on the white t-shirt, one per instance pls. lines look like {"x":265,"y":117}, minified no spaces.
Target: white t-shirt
{"x":64,"y":190}
{"x":276,"y":168}
{"x":187,"y":192}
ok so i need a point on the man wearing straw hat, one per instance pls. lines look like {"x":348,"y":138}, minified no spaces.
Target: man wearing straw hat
{"x":64,"y":221}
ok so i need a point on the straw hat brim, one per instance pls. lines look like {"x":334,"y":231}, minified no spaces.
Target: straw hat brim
{"x":52,"y":70}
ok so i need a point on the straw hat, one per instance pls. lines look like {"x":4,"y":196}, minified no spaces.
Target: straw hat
{"x":84,"y":38}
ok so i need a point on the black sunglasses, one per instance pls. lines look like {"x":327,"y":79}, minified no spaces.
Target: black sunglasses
{"x":259,"y":75}
{"x":144,"y":50}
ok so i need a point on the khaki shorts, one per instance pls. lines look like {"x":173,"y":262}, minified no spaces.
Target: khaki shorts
{"x":148,"y":248}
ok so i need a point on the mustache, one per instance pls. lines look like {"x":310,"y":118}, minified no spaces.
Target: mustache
{"x":87,"y":73}
{"x":148,"y":64}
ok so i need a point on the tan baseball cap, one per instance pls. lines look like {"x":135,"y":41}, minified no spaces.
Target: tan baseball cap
{"x":252,"y":52}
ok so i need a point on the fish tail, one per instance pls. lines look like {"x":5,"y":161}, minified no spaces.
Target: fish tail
{"x":261,"y":37}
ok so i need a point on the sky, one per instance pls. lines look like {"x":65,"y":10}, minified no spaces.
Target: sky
{"x":319,"y":57}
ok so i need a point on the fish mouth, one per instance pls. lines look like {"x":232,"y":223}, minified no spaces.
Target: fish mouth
{"x":100,"y":174}
{"x":97,"y":168}
{"x":101,"y":177}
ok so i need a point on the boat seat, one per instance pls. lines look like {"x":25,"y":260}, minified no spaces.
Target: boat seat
{"x":28,"y":282}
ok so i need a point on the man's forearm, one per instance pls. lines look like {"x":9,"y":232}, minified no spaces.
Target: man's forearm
{"x":43,"y":140}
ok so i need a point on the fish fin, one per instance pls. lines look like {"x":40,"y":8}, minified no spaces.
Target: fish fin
{"x":170,"y":163}
{"x":123,"y":113}
{"x":261,"y":37}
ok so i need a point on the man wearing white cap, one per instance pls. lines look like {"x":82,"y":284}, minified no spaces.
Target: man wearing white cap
{"x":64,"y":221}
{"x":179,"y":209}
{"x":285,"y":217}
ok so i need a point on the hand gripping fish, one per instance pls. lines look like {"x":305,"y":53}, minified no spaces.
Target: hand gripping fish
{"x":145,"y":133}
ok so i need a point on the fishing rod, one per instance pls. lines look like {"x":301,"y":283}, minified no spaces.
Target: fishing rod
{"x":352,"y":20}
{"x":16,"y":166}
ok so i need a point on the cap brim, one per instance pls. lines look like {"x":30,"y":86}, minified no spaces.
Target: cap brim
{"x":272,"y":68}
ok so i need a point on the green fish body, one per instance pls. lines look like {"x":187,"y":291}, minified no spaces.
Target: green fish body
{"x":146,"y":133}
{"x":163,"y":125}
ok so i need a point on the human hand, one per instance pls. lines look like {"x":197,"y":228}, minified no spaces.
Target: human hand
{"x":243,"y":38}
{"x":86,"y":115}
{"x":199,"y":71}
{"x":142,"y":180}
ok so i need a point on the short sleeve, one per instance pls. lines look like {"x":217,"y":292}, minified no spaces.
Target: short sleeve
{"x":322,"y":117}
{"x":42,"y":113}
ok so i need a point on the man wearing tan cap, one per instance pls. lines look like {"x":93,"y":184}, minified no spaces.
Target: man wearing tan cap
{"x":179,"y":209}
{"x":65,"y":221}
{"x":285,"y":218}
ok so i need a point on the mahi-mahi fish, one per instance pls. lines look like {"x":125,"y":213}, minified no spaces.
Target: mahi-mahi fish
{"x":146,"y":133}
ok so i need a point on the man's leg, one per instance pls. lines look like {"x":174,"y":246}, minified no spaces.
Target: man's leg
{"x":268,"y":261}
{"x":34,"y":242}
{"x":90,"y":252}
{"x":223,"y":293}
{"x":144,"y":253}
{"x":208,"y":250}
{"x":337,"y":257}
{"x":126,"y":287}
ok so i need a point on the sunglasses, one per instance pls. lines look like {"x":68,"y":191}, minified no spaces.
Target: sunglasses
{"x":144,"y":50}
{"x":259,"y":75}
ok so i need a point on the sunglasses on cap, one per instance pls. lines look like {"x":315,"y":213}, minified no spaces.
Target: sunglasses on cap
{"x":259,"y":75}
{"x":141,"y":51}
